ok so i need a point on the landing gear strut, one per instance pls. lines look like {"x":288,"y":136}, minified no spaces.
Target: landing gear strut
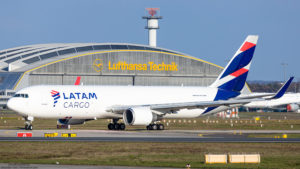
{"x":155,"y":127}
{"x":28,"y":123}
{"x":116,"y":126}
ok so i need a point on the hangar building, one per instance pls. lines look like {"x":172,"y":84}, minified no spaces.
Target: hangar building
{"x":101,"y":64}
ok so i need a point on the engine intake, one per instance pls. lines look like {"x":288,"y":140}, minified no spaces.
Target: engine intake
{"x":139,"y":116}
{"x":292,"y":107}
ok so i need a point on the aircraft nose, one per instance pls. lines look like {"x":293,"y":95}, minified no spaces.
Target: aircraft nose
{"x":15,"y":105}
{"x":10,"y":104}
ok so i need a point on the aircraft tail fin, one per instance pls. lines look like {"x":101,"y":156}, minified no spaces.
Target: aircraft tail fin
{"x":77,"y":82}
{"x":283,"y":89}
{"x":233,"y":77}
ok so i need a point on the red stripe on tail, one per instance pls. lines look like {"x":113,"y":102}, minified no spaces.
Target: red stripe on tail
{"x":246,"y":46}
{"x":239,"y":72}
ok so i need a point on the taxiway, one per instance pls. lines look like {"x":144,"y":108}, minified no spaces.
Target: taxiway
{"x":151,"y":136}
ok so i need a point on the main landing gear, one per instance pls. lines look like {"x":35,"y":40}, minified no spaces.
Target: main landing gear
{"x":116,"y":126}
{"x":28,"y":123}
{"x":155,"y":127}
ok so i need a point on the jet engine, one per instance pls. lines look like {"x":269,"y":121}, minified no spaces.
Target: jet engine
{"x":139,"y":116}
{"x":72,"y":121}
{"x":292,"y":107}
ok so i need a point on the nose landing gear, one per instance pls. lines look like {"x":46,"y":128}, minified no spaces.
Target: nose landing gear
{"x":28,"y":122}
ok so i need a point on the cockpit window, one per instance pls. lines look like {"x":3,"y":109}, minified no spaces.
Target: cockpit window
{"x":23,"y":95}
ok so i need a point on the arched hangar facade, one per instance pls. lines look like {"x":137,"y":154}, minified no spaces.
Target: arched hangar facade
{"x":102,"y":64}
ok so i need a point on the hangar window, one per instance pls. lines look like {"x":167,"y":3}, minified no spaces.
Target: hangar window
{"x":119,"y":47}
{"x":147,"y":48}
{"x":8,"y":80}
{"x":14,"y":50}
{"x":46,"y":50}
{"x":13,"y":54}
{"x":48,"y":55}
{"x":136,"y":47}
{"x":85,"y":48}
{"x":31,"y":60}
{"x":66,"y":51}
{"x":166,"y":51}
{"x":29,"y":54}
{"x":11,"y":93}
{"x":12,"y":59}
{"x":101,"y":47}
{"x":18,"y":53}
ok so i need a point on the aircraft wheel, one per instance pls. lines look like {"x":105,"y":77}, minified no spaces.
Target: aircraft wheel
{"x":116,"y":126}
{"x":26,"y":127}
{"x":154,"y":126}
{"x":150,"y":127}
{"x":122,"y":126}
{"x":111,"y":126}
{"x":161,"y":127}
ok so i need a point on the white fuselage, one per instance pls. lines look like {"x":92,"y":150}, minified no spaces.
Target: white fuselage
{"x":90,"y":102}
{"x":284,"y":100}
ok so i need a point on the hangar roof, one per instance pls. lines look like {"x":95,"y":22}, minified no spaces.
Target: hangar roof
{"x":26,"y":57}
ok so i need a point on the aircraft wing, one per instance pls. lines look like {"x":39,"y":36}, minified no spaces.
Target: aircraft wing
{"x":203,"y":104}
{"x":183,"y":105}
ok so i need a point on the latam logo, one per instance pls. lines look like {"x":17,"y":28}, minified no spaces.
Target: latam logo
{"x":56,"y":96}
{"x":74,"y":99}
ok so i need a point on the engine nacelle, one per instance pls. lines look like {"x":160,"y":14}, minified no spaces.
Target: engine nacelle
{"x":71,"y":121}
{"x":139,"y":116}
{"x":292,"y":107}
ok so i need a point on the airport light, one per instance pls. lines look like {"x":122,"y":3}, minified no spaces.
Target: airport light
{"x":152,"y":24}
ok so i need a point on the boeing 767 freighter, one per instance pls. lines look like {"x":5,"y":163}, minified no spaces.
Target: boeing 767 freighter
{"x":137,"y":105}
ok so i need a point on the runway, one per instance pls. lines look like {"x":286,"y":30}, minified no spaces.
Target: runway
{"x":152,"y":136}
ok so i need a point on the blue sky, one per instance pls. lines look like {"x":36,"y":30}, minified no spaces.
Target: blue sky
{"x":211,"y":30}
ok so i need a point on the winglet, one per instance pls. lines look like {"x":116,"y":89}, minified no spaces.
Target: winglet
{"x":283,"y":89}
{"x":77,"y":82}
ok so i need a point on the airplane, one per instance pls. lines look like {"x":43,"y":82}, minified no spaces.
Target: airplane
{"x":290,"y":100}
{"x":138,"y":105}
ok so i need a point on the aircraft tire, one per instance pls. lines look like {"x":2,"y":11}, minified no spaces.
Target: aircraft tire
{"x":110,"y":126}
{"x":154,"y":127}
{"x":116,"y":126}
{"x":150,"y":127}
{"x":161,"y":127}
{"x":26,"y":127}
{"x":122,"y":126}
